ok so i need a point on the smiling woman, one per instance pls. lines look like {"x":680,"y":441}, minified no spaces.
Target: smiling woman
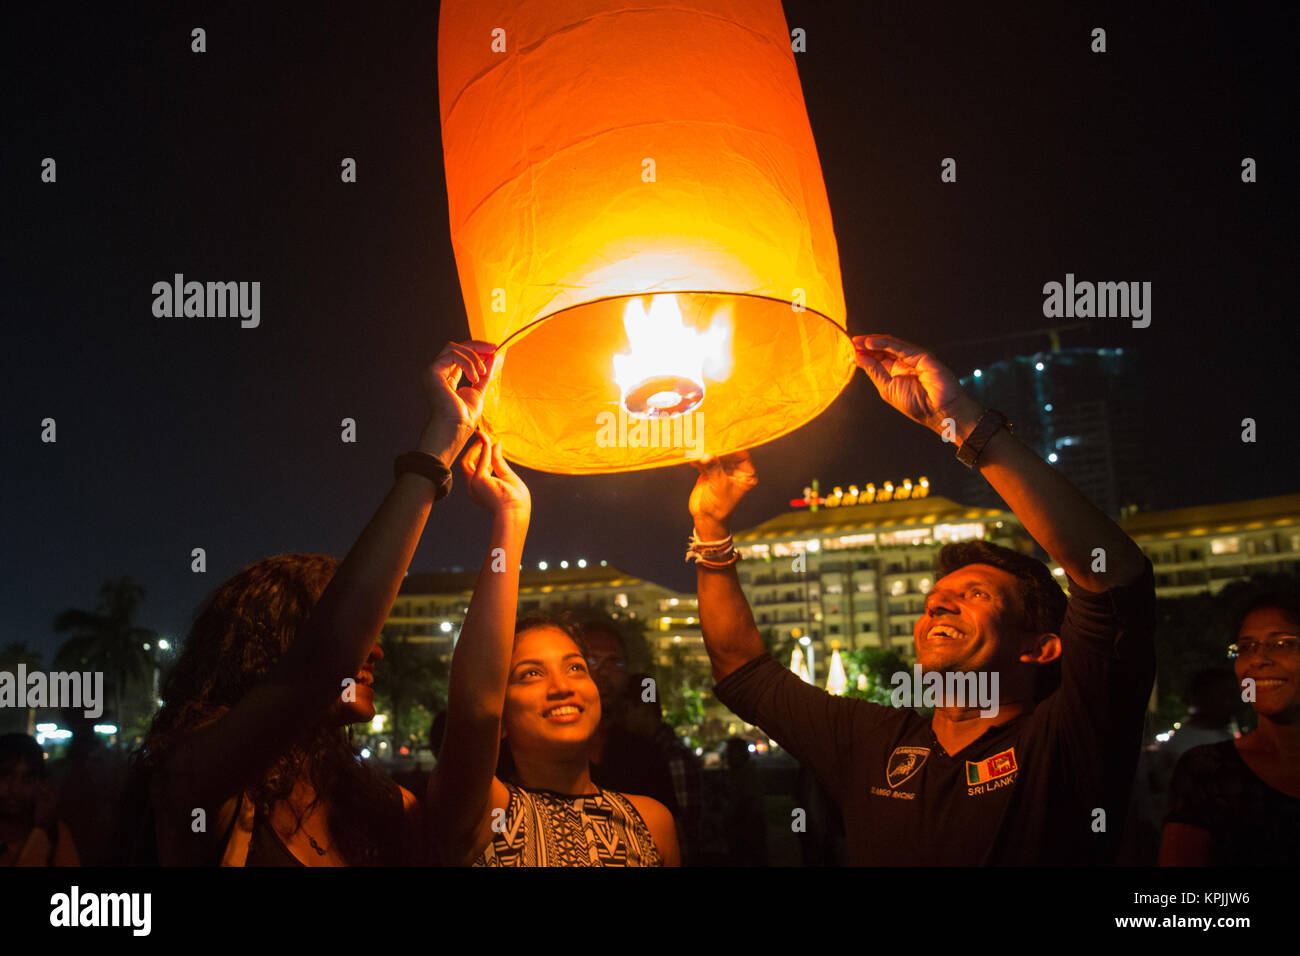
{"x":522,"y":703}
{"x":1237,"y":803}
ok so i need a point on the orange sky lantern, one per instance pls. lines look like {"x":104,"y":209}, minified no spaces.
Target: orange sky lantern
{"x":638,"y":216}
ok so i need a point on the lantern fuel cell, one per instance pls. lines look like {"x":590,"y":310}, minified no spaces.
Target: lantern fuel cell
{"x":610,"y":290}
{"x":663,"y":372}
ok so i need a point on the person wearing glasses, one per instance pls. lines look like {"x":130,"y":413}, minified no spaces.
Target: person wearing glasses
{"x":1237,"y":803}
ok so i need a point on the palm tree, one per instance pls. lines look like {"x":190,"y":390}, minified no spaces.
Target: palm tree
{"x":410,"y":675}
{"x":106,"y":639}
{"x":11,"y":655}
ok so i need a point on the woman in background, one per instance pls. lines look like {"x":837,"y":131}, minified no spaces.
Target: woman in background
{"x":1237,"y":803}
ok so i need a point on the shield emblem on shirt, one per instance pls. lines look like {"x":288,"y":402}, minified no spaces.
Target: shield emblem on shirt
{"x":903,"y":764}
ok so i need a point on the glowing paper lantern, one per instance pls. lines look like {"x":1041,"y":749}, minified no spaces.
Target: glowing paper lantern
{"x":638,"y":216}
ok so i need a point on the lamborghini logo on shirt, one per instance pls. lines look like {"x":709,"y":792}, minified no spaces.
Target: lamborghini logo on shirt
{"x":904,"y":763}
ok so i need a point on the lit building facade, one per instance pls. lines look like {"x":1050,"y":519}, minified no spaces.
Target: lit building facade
{"x":853,"y":575}
{"x":1207,"y":547}
{"x":430,"y":608}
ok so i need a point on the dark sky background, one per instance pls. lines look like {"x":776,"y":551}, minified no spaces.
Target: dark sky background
{"x":183,"y":432}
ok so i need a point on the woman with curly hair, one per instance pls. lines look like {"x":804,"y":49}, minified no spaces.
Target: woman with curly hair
{"x":526,"y":685}
{"x":252,"y":739}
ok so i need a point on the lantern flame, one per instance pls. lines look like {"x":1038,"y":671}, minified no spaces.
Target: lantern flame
{"x":663,"y":373}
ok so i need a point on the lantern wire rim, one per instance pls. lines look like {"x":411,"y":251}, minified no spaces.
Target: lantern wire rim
{"x":648,"y":466}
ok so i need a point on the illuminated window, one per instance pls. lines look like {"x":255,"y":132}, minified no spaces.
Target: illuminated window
{"x":849,"y":541}
{"x":958,"y":532}
{"x":1225,"y":546}
{"x":620,"y":599}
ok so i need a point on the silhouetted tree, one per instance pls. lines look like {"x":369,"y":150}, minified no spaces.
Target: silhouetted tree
{"x":410,"y":675}
{"x":107,"y":639}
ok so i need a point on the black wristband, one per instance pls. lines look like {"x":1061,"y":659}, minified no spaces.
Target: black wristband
{"x":989,"y":424}
{"x":428,"y":466}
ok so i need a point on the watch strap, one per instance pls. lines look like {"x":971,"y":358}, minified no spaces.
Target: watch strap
{"x":989,"y":424}
{"x":427,"y":465}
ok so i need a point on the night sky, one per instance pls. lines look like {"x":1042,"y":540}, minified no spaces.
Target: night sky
{"x":176,"y":433}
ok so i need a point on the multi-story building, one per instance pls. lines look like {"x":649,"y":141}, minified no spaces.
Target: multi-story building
{"x":1206,"y":547}
{"x":854,"y":575}
{"x":430,"y":608}
{"x":1082,"y":410}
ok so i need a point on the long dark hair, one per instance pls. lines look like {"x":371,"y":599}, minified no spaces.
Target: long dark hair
{"x":239,"y":633}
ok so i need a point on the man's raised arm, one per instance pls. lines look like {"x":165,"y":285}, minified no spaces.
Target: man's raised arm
{"x":1067,"y":525}
{"x":726,"y":621}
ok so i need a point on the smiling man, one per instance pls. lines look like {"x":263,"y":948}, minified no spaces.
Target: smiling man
{"x":1045,"y":779}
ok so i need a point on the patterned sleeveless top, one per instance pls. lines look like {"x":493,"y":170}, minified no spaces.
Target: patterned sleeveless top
{"x":542,"y":828}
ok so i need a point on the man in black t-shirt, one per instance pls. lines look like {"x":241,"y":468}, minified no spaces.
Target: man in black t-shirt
{"x":1026,"y":781}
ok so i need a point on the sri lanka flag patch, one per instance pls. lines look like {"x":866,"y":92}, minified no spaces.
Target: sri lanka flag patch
{"x":999,"y":765}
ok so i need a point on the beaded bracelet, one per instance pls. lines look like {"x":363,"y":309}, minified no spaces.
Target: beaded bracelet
{"x":712,"y":554}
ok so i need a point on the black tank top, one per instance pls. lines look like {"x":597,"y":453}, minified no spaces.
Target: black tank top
{"x":265,"y":848}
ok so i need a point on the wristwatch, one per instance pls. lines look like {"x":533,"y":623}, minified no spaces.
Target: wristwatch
{"x":428,"y":466}
{"x":989,"y":424}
